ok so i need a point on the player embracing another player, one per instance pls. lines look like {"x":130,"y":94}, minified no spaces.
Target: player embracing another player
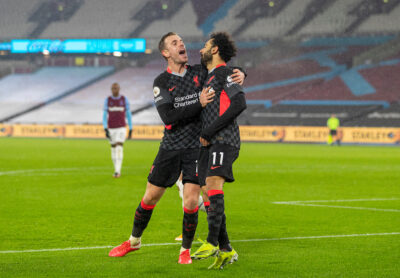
{"x":220,"y":140}
{"x":179,"y":97}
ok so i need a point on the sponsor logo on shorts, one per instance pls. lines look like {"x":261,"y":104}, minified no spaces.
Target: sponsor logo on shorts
{"x":214,"y":167}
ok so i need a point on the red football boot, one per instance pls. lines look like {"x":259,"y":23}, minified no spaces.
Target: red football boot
{"x":123,"y":249}
{"x":184,"y":257}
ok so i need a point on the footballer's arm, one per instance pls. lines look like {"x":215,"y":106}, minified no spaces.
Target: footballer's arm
{"x":169,"y":114}
{"x":238,"y":104}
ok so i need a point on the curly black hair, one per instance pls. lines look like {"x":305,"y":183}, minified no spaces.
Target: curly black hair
{"x":226,"y":46}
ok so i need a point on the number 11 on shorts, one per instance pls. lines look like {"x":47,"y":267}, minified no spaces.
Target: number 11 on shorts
{"x":221,"y":157}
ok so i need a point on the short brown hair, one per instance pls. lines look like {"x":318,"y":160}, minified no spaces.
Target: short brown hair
{"x":161,"y":44}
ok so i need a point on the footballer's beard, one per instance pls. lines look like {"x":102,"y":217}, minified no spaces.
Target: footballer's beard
{"x":206,"y":58}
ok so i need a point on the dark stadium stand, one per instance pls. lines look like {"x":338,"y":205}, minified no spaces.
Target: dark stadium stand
{"x":307,"y":115}
{"x":367,"y":8}
{"x":204,"y":11}
{"x":52,"y":11}
{"x":312,"y":10}
{"x":314,"y":71}
{"x":155,"y":10}
{"x":245,"y":19}
{"x":320,"y":81}
{"x":384,"y":117}
{"x":36,"y":90}
{"x":269,"y":73}
{"x":259,"y":9}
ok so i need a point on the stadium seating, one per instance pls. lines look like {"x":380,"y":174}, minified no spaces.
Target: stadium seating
{"x":86,"y":105}
{"x":305,"y":115}
{"x":204,"y":11}
{"x":153,"y":11}
{"x":321,"y":80}
{"x":331,"y":21}
{"x":382,"y":117}
{"x":383,"y":22}
{"x":22,"y":92}
{"x":279,"y":25}
{"x":97,"y":18}
{"x":367,"y":8}
{"x":14,"y":21}
{"x":52,"y":11}
{"x":150,"y":19}
{"x":311,"y":11}
{"x":181,"y":20}
{"x":257,"y":9}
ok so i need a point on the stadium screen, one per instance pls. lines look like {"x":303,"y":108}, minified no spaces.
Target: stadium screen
{"x":78,"y":46}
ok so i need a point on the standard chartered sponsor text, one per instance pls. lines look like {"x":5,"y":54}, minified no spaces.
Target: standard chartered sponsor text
{"x":186,"y":100}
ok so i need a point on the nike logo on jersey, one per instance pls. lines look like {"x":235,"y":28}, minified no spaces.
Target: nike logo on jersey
{"x":209,"y":80}
{"x":171,"y":89}
{"x":214,"y":167}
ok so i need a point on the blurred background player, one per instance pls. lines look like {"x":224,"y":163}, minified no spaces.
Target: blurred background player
{"x":116,"y":109}
{"x":220,"y":140}
{"x":333,"y":124}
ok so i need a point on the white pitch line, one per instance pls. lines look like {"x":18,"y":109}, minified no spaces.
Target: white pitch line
{"x":44,"y":170}
{"x":179,"y":243}
{"x":345,"y":207}
{"x":344,"y":200}
{"x":308,"y":203}
{"x":316,"y":237}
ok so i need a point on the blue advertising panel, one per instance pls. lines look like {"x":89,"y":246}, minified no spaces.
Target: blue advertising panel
{"x":5,"y":46}
{"x":78,"y":46}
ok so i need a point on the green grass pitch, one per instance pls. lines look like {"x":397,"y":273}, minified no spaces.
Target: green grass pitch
{"x":59,"y":194}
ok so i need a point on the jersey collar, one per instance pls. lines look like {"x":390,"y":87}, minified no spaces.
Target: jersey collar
{"x":113,"y":97}
{"x":217,"y":66}
{"x":177,"y":74}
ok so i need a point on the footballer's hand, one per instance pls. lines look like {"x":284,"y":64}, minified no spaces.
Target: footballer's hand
{"x":130,"y":134}
{"x":238,"y":76}
{"x":206,"y":96}
{"x":107,"y":133}
{"x":204,"y":142}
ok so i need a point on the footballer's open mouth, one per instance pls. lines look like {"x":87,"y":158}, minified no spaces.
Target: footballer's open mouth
{"x":182,"y":52}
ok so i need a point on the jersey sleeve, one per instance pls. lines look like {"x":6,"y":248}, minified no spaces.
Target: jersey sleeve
{"x":234,"y":100}
{"x":160,"y":91}
{"x":231,"y":88}
{"x":105,"y":113}
{"x":237,"y":105}
{"x":165,"y":107}
{"x":128,"y":113}
{"x":242,"y":70}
